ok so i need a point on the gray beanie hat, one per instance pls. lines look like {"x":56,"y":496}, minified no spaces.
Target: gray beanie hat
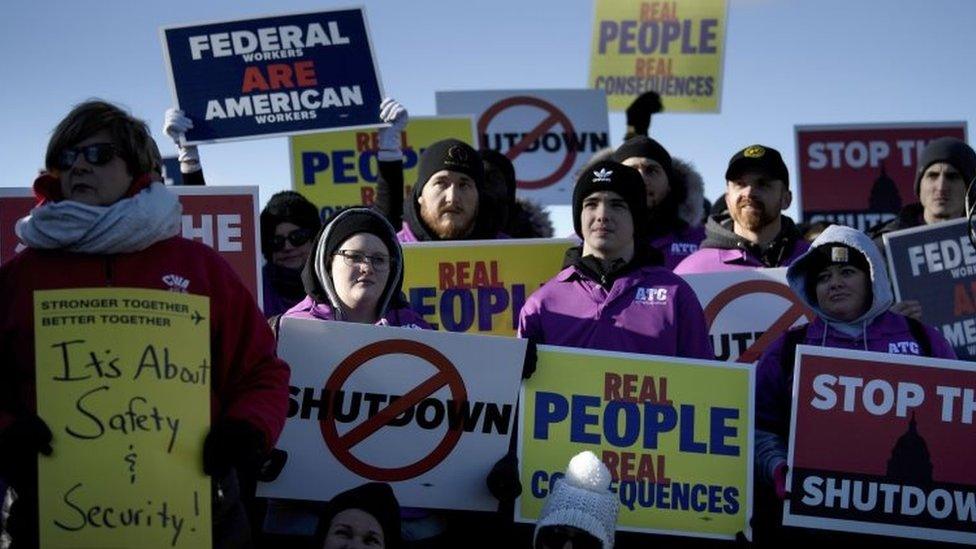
{"x":951,"y":151}
{"x":583,"y":499}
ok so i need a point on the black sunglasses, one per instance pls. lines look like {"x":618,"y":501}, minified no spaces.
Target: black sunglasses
{"x":296,"y":237}
{"x":96,"y":154}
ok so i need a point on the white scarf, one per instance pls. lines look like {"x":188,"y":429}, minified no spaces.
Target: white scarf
{"x":129,"y":225}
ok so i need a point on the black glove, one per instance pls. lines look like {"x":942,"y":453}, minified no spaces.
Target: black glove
{"x":232,"y":443}
{"x":20,"y":443}
{"x":503,"y":480}
{"x":639,"y":112}
{"x":272,"y":465}
{"x":531,"y":358}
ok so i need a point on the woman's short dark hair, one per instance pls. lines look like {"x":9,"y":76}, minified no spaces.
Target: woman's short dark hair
{"x":129,"y":134}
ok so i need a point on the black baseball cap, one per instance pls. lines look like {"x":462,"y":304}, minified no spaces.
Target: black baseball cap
{"x":759,"y":157}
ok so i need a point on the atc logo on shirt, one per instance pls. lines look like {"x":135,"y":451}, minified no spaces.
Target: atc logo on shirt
{"x":652,"y":296}
{"x":904,"y":348}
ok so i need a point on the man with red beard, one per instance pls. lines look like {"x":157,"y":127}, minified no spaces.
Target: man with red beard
{"x":447,"y":195}
{"x":754,"y":232}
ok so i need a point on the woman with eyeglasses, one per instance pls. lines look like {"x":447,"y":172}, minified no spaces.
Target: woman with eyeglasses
{"x":103,"y":220}
{"x":289,"y":222}
{"x":355,"y":273}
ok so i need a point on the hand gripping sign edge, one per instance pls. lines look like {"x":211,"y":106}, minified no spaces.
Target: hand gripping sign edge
{"x":556,"y":116}
{"x":780,"y":325}
{"x":341,"y":447}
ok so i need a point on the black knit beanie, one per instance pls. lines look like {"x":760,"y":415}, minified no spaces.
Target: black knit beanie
{"x":290,"y":207}
{"x":951,"y":151}
{"x":645,"y":147}
{"x":611,"y":176}
{"x":453,"y":155}
{"x":374,"y":498}
{"x":503,"y":164}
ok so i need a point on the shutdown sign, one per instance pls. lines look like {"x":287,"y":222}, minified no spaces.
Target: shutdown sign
{"x":883,"y":444}
{"x":674,"y":48}
{"x":547,"y":134}
{"x":428,"y":412}
{"x":747,"y":310}
{"x":338,"y":170}
{"x":676,"y":434}
{"x":936,"y":265}
{"x":280,"y":75}
{"x":861,"y":175}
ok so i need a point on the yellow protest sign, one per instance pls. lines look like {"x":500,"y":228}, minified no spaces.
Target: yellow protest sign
{"x":676,"y":434}
{"x":123,"y":381}
{"x":338,"y":170}
{"x":672,"y":47}
{"x":478,"y":286}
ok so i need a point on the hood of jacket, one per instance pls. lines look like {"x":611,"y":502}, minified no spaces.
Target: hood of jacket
{"x":800,"y":271}
{"x":690,"y":209}
{"x":318,"y":280}
{"x":719,"y":234}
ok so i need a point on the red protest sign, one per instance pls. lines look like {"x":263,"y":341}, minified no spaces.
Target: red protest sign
{"x":555,"y":116}
{"x":861,"y":175}
{"x":340,"y":446}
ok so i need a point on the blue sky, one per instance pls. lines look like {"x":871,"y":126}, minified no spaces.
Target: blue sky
{"x":787,"y":62}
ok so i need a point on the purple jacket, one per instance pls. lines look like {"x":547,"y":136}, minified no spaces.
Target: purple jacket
{"x":887,"y":333}
{"x":402,"y":317}
{"x":649,"y":311}
{"x":679,"y":245}
{"x":712,"y":260}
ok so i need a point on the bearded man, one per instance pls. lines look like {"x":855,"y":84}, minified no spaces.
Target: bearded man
{"x":753,"y":233}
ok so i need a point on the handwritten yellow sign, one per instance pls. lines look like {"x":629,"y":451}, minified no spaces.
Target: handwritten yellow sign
{"x":478,"y":286}
{"x":123,"y":381}
{"x":672,"y":47}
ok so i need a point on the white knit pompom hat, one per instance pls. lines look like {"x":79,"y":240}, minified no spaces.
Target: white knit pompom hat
{"x":583,"y":499}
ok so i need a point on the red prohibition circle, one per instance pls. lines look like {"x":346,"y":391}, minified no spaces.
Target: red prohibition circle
{"x":780,"y":325}
{"x":556,"y":116}
{"x":341,"y":447}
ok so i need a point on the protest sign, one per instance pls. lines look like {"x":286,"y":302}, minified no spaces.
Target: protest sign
{"x":860,"y":175}
{"x":124,"y":375}
{"x":674,"y":48}
{"x":882,"y":444}
{"x":747,"y":310}
{"x":278,"y":75}
{"x":547,"y":134}
{"x":676,"y":434}
{"x":936,"y":265}
{"x":478,"y":286}
{"x":428,"y":412}
{"x":337,"y":170}
{"x":224,"y":218}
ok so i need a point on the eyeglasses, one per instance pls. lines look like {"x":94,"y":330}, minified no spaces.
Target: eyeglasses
{"x":97,"y":154}
{"x":296,"y":238}
{"x":353,"y":259}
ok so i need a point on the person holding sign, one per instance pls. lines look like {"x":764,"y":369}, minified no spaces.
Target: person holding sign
{"x":843,"y":279}
{"x":674,"y":195}
{"x":615,"y":296}
{"x":755,"y":233}
{"x":104,"y":221}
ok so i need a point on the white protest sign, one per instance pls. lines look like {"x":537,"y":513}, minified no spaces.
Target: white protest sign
{"x":429,"y":412}
{"x":547,"y":134}
{"x":747,"y":310}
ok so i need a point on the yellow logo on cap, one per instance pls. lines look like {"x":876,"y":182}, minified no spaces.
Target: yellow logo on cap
{"x":839,"y":255}
{"x":754,"y":151}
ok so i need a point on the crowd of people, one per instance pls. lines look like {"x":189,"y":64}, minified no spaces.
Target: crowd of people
{"x":103,"y":218}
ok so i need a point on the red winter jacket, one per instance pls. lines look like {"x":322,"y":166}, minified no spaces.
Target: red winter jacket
{"x":248,"y":381}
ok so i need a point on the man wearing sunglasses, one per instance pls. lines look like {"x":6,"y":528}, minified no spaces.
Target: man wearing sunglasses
{"x":104,"y":220}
